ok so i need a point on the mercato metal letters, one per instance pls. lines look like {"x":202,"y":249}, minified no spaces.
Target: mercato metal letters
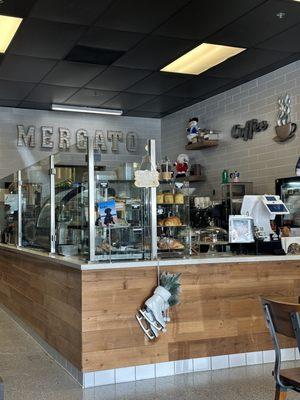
{"x":27,"y":138}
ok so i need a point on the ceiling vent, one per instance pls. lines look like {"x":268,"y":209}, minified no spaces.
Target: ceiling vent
{"x":92,"y":55}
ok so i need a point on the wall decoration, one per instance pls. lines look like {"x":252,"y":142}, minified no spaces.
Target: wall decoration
{"x":28,"y":138}
{"x":285,"y":129}
{"x":154,"y":316}
{"x":247,"y":132}
{"x":192,"y":130}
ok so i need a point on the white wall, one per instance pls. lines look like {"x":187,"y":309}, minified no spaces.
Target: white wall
{"x":261,"y":160}
{"x":13,"y":158}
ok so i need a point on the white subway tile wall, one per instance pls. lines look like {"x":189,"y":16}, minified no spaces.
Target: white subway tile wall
{"x":125,"y":374}
{"x":237,"y":360}
{"x":288,"y":355}
{"x":164,"y":369}
{"x":145,"y":372}
{"x":219,"y":362}
{"x":184,"y":366}
{"x":254,"y":358}
{"x":260,"y":160}
{"x":268,"y":356}
{"x":202,"y":364}
{"x":106,"y":377}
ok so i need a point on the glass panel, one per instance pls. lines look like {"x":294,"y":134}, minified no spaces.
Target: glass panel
{"x":290,"y":195}
{"x":35,"y":198}
{"x":173,"y":222}
{"x":71,"y":203}
{"x":9,"y":209}
{"x":122,"y":230}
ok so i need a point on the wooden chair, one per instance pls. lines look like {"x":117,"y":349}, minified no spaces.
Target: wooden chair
{"x":284,"y":319}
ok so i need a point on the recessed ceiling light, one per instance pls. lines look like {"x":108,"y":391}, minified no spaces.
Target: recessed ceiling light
{"x":87,"y":110}
{"x":201,"y":58}
{"x":8,"y":29}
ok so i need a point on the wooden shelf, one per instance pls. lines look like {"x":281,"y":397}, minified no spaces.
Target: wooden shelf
{"x":192,"y":178}
{"x":203,"y":144}
{"x":196,"y":178}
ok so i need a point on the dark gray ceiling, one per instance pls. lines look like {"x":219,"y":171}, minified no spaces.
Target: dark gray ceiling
{"x":108,"y":53}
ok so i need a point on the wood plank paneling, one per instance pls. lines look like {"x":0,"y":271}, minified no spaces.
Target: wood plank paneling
{"x":47,"y":296}
{"x":219,"y":312}
{"x":89,"y":316}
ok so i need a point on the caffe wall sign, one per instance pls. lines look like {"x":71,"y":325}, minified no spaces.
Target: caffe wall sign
{"x":247,"y":132}
{"x":48,"y":138}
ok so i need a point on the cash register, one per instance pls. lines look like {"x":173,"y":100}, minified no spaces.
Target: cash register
{"x":263,"y":209}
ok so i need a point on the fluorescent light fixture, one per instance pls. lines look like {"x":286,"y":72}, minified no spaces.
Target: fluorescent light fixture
{"x":8,"y":29}
{"x":202,"y":58}
{"x":88,"y":110}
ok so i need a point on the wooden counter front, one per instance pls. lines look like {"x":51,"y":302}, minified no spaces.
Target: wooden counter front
{"x":89,"y":316}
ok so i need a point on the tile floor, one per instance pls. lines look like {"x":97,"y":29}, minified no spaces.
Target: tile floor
{"x":29,"y":374}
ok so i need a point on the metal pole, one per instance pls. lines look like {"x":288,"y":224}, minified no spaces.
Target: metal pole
{"x":19,"y":242}
{"x":152,"y":153}
{"x":52,"y":205}
{"x":91,"y":191}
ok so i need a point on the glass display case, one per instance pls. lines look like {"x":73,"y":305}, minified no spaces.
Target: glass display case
{"x":76,"y":206}
{"x":213,"y":236}
{"x":9,"y":207}
{"x":289,"y":191}
{"x":122,"y":220}
{"x":173,"y":219}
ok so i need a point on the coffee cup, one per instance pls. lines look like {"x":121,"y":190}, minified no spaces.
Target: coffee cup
{"x":284,"y":131}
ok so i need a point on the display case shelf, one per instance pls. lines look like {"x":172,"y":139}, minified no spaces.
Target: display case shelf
{"x":203,"y":144}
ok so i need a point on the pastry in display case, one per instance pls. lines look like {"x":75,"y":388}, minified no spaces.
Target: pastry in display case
{"x":172,"y":220}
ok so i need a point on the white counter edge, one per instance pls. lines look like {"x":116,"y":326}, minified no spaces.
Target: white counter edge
{"x":85,"y":266}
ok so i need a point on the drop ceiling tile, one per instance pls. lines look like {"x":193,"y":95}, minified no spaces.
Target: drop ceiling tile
{"x":258,"y":25}
{"x":200,"y":19}
{"x":74,"y":12}
{"x":50,"y":94}
{"x":16,"y":8}
{"x":14,"y":90}
{"x":127,"y":101}
{"x":159,"y":82}
{"x":45,"y":39}
{"x":35,"y":105}
{"x":9,"y":103}
{"x":90,"y":97}
{"x":142,"y":114}
{"x":25,"y":69}
{"x":72,"y":74}
{"x":198,"y":86}
{"x":93,"y":55}
{"x":155,"y":52}
{"x":116,"y":78}
{"x":246,"y":63}
{"x":285,"y":41}
{"x":162,"y":104}
{"x":141,"y":16}
{"x":110,"y":39}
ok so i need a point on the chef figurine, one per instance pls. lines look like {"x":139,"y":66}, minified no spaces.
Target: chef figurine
{"x":182,"y":165}
{"x":193,"y":130}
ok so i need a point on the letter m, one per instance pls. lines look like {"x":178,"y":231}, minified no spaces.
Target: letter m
{"x":26,"y":139}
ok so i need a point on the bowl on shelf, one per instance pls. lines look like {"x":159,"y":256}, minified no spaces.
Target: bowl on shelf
{"x":187,"y":191}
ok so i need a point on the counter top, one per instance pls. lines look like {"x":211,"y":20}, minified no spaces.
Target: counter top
{"x":82,"y":265}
